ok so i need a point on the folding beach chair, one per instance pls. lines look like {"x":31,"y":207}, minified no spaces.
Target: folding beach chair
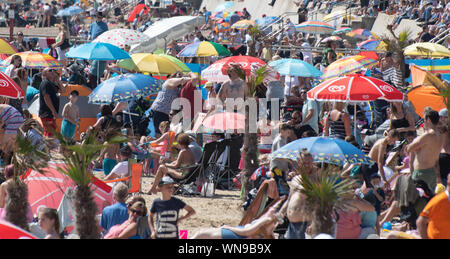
{"x":224,"y":177}
{"x":134,"y":179}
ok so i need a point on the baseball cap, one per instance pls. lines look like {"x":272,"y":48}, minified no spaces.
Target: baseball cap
{"x":165,"y":180}
{"x":443,"y":113}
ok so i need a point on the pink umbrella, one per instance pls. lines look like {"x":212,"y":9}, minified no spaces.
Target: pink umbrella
{"x":225,"y":121}
{"x":48,"y":189}
{"x":10,"y":231}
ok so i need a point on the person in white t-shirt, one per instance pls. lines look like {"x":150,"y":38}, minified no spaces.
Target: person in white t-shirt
{"x":121,"y":169}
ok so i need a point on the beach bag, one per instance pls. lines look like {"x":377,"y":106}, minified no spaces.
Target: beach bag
{"x":207,"y":189}
{"x":52,"y":52}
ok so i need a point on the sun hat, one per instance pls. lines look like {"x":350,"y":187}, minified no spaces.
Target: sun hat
{"x":209,"y":84}
{"x":166,"y":180}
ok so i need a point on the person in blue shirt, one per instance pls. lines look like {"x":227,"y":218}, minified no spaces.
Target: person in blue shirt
{"x":97,"y":27}
{"x":117,"y":213}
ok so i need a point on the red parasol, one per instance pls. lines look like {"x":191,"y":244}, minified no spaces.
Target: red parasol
{"x":10,"y":231}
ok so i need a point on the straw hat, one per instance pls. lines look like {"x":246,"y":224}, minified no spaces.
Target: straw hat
{"x":209,"y":85}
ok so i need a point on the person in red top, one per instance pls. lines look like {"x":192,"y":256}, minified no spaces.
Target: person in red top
{"x":434,"y":220}
{"x":188,"y":92}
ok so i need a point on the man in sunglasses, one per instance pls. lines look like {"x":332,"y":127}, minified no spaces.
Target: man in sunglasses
{"x":49,"y":100}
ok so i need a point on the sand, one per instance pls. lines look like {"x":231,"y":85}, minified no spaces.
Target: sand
{"x":223,"y":208}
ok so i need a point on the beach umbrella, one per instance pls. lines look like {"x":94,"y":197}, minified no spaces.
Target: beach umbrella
{"x":315,"y":27}
{"x":7,"y":48}
{"x":178,"y":62}
{"x":222,"y":27}
{"x":219,"y":15}
{"x":138,"y":10}
{"x":204,"y":49}
{"x":217,"y":71}
{"x":224,"y":6}
{"x":224,"y":121}
{"x":9,"y":88}
{"x":35,"y":60}
{"x":123,"y":88}
{"x":48,"y":189}
{"x":355,"y":88}
{"x":342,"y":30}
{"x":11,"y":231}
{"x":327,"y":150}
{"x":426,"y":95}
{"x":370,"y":44}
{"x":154,"y":64}
{"x":295,"y":67}
{"x":243,"y":24}
{"x":122,"y":37}
{"x":348,"y":65}
{"x":331,"y":38}
{"x":70,"y":11}
{"x":97,"y":51}
{"x":427,"y":49}
{"x":362,"y":34}
{"x":261,"y":22}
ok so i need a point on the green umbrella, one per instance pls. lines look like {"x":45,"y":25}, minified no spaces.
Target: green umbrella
{"x":128,"y":64}
{"x":176,"y":61}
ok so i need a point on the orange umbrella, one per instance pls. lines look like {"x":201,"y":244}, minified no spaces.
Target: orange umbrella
{"x":426,"y":95}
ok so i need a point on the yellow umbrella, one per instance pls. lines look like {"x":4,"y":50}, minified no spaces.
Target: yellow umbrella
{"x":427,"y":49}
{"x":6,"y":48}
{"x":149,"y":63}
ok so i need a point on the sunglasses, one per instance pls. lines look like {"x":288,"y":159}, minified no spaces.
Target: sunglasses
{"x":138,"y":212}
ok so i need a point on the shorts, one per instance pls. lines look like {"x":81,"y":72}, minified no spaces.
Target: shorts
{"x":49,"y":125}
{"x":296,"y":230}
{"x":228,"y":234}
{"x":68,"y":129}
{"x":61,"y":53}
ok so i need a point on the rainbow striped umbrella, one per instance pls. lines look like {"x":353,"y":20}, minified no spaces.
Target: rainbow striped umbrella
{"x":342,"y":30}
{"x":348,"y":65}
{"x":362,"y":34}
{"x":204,"y":49}
{"x":315,"y":27}
{"x":243,"y":24}
{"x":37,"y":60}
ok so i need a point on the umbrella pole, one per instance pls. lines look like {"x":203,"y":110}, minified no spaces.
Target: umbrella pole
{"x":354,"y":119}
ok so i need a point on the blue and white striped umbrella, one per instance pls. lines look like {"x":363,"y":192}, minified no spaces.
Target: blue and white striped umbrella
{"x":69,"y":11}
{"x":123,"y":88}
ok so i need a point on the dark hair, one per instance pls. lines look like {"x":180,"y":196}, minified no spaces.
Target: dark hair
{"x":393,"y":133}
{"x":75,"y":92}
{"x":433,"y":116}
{"x":285,"y":126}
{"x":13,"y":58}
{"x":105,"y":110}
{"x":126,"y":151}
{"x":9,"y":171}
{"x":51,"y":213}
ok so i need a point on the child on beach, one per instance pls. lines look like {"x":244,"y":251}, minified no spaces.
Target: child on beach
{"x":110,"y":153}
{"x":121,"y":169}
{"x":167,"y":210}
{"x":71,"y":116}
{"x":49,"y":222}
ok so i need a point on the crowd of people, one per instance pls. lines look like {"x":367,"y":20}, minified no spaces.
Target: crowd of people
{"x":408,"y":152}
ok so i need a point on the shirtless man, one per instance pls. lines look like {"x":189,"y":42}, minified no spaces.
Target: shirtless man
{"x":378,"y":154}
{"x":71,"y":116}
{"x":426,"y":149}
{"x":233,"y":88}
{"x":295,"y":206}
